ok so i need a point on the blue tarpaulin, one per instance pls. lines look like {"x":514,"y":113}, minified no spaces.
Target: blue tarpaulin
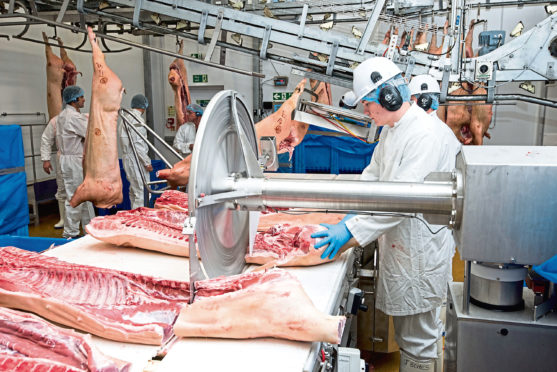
{"x":14,"y":209}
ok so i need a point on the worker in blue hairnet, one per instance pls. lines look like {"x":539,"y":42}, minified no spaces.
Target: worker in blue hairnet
{"x":185,"y":137}
{"x":71,"y":129}
{"x":134,"y":170}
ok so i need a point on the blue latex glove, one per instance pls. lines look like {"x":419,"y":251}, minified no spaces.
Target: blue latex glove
{"x":335,"y":236}
{"x":548,"y":269}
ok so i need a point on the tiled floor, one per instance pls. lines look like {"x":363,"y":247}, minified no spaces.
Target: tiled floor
{"x":380,"y":362}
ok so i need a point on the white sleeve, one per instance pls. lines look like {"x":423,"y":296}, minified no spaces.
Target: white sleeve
{"x":141,"y":146}
{"x":78,"y":125}
{"x":422,"y":156}
{"x":180,"y":140}
{"x":47,"y":140}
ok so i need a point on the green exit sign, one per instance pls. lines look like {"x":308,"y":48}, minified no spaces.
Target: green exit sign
{"x":200,"y":78}
{"x":197,"y":55}
{"x":202,"y":102}
{"x":281,"y":96}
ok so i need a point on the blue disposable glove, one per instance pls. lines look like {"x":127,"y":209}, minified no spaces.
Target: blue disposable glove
{"x":335,"y":236}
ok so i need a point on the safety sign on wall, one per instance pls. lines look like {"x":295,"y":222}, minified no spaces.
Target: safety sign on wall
{"x":200,"y":78}
{"x":281,"y":96}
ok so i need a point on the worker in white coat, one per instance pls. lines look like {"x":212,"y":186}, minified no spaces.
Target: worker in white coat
{"x":134,"y":173}
{"x":71,"y":129}
{"x":185,"y":137}
{"x":425,"y":92}
{"x":412,"y":260}
{"x":47,"y":140}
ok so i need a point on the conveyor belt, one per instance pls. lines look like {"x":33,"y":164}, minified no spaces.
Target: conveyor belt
{"x":324,"y":284}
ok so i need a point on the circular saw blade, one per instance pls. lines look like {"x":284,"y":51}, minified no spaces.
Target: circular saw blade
{"x":222,"y":233}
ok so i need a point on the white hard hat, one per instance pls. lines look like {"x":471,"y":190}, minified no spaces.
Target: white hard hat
{"x":348,"y":100}
{"x":423,"y":84}
{"x":370,"y":74}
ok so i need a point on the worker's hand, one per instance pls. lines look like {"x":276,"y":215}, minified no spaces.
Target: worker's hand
{"x":149,"y":167}
{"x":191,"y":146}
{"x":47,"y":166}
{"x":335,"y":236}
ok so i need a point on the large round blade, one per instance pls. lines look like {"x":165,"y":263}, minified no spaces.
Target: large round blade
{"x":222,"y":234}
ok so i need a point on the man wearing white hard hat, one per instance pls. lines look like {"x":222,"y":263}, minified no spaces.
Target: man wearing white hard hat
{"x":413,"y":268}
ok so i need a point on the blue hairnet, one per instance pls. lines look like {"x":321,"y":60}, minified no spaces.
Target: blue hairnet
{"x":139,"y":101}
{"x":195,"y":108}
{"x":434,"y":101}
{"x":397,"y":81}
{"x":72,"y":93}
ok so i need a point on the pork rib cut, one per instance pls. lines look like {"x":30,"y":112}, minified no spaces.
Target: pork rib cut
{"x":29,"y":343}
{"x":108,"y":303}
{"x":173,"y":199}
{"x":257,"y":304}
{"x":102,"y":184}
{"x":297,"y":218}
{"x":153,"y":229}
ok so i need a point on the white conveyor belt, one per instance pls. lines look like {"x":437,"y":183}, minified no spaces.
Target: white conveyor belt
{"x":324,"y":284}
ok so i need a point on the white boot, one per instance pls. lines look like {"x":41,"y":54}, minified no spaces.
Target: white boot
{"x":409,"y":363}
{"x":62,"y":209}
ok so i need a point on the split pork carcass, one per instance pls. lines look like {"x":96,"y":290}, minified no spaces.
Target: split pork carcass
{"x":257,"y":304}
{"x":113,"y":304}
{"x":60,"y":73}
{"x":29,"y":343}
{"x":433,"y":48}
{"x":178,"y":79}
{"x":470,"y":123}
{"x":102,"y":184}
{"x":152,"y":229}
{"x":286,"y":245}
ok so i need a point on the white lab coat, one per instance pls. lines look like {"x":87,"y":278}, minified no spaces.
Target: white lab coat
{"x":47,"y":140}
{"x":128,"y":159}
{"x":71,"y":129}
{"x":184,"y":138}
{"x":413,"y":263}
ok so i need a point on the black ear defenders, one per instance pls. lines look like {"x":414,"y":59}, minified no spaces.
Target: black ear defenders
{"x":390,"y":98}
{"x":424,"y":101}
{"x":345,"y":105}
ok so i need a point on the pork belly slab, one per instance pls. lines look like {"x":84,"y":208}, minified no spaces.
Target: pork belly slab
{"x":108,"y":303}
{"x":153,"y":229}
{"x":173,"y":199}
{"x":102,"y":184}
{"x":257,"y":304}
{"x":29,"y":343}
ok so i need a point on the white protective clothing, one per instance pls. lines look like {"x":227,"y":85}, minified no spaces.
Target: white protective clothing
{"x":184,"y":138}
{"x":418,"y":334}
{"x":137,"y":198}
{"x":413,"y":263}
{"x":409,"y":363}
{"x":71,"y":128}
{"x":47,"y":140}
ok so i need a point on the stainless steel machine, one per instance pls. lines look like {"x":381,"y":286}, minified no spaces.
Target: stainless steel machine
{"x":498,"y":201}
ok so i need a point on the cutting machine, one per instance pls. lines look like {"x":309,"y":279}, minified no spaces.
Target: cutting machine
{"x":499,"y":202}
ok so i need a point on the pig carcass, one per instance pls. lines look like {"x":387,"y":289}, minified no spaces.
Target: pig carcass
{"x":433,"y":48}
{"x":256,"y":304}
{"x":60,"y":72}
{"x":113,"y":304}
{"x":29,"y":343}
{"x":470,"y":123}
{"x":152,"y":229}
{"x":102,"y":184}
{"x":178,"y":79}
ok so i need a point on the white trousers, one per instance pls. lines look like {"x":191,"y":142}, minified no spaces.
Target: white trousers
{"x":417,"y":334}
{"x":60,"y":189}
{"x":137,"y":198}
{"x":72,"y":174}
